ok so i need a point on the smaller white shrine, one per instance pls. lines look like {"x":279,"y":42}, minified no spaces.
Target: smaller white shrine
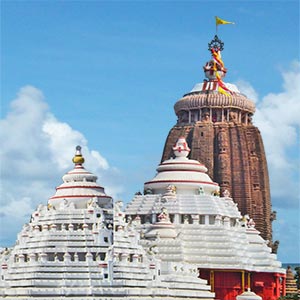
{"x":79,"y":246}
{"x":183,"y":215}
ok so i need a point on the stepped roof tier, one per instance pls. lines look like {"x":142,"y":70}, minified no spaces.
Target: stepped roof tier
{"x":188,"y":175}
{"x":200,"y":227}
{"x":291,"y":282}
{"x":79,"y":186}
{"x":216,"y":120}
{"x":81,"y":248}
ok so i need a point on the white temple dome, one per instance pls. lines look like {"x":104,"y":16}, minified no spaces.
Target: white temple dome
{"x":163,"y":228}
{"x":187,"y":175}
{"x":248,"y":295}
{"x":79,"y":186}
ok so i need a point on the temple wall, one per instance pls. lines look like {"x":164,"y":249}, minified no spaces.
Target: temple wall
{"x":234,"y":155}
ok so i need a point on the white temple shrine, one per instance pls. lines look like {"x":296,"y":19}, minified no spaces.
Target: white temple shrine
{"x":180,"y":240}
{"x":80,"y":246}
{"x":183,"y":216}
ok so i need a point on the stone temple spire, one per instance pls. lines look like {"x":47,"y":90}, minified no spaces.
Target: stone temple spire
{"x":215,"y":118}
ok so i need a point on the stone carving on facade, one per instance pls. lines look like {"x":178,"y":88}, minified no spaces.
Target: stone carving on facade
{"x":50,"y":207}
{"x":201,"y":190}
{"x":183,"y":117}
{"x":222,"y":141}
{"x":93,"y":203}
{"x":226,"y":193}
{"x":136,"y":221}
{"x":170,"y":192}
{"x":66,"y":204}
{"x":223,"y":161}
{"x":275,"y":246}
{"x":218,"y":220}
{"x":233,"y":116}
{"x":216,"y":193}
{"x":148,"y":192}
{"x":244,"y":220}
{"x":252,"y":148}
{"x":206,"y":117}
{"x":186,"y":219}
{"x":251,"y":223}
{"x":164,"y":215}
{"x":273,"y":215}
{"x":152,"y":250}
{"x":249,"y":120}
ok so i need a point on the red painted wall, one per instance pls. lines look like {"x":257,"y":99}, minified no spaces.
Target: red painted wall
{"x":227,"y":284}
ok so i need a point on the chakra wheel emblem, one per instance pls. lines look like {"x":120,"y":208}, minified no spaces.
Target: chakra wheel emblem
{"x":216,"y":44}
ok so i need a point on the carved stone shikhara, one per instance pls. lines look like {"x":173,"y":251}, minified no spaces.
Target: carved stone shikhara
{"x":218,"y":128}
{"x":233,"y":152}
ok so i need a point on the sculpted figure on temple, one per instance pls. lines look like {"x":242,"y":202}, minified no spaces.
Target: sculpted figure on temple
{"x":275,"y":246}
{"x":152,"y":250}
{"x":251,"y":223}
{"x":171,"y":189}
{"x":205,"y":117}
{"x":244,"y":220}
{"x":233,"y":116}
{"x":249,"y":120}
{"x":93,"y":203}
{"x":216,"y":193}
{"x":64,"y":204}
{"x":222,"y":140}
{"x":163,"y":216}
{"x":201,"y":190}
{"x":148,"y":191}
{"x":273,"y":215}
{"x":226,"y":193}
{"x":183,"y":117}
{"x":223,"y":161}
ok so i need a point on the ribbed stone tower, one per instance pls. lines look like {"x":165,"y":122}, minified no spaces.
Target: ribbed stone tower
{"x":216,"y":120}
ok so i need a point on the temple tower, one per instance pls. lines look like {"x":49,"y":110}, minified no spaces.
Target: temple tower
{"x":216,"y":120}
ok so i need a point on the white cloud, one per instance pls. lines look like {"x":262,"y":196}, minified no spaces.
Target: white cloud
{"x":36,"y":150}
{"x":61,"y":136}
{"x":247,"y":89}
{"x":277,"y":117}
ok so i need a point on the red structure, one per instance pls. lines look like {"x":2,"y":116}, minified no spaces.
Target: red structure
{"x":228,"y":284}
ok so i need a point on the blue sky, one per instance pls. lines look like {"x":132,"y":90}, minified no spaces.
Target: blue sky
{"x":106,"y":74}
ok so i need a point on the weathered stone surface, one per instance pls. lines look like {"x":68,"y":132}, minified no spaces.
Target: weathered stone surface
{"x":231,"y":147}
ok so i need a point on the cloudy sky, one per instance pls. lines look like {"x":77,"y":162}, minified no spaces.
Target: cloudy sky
{"x":106,"y":75}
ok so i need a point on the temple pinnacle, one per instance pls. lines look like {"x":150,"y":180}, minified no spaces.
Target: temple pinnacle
{"x":78,"y":158}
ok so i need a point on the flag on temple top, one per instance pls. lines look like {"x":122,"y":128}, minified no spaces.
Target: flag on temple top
{"x":222,"y":22}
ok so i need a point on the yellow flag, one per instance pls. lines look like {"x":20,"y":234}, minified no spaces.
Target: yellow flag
{"x":222,"y":22}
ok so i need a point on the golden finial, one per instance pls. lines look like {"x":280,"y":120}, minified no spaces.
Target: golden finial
{"x":78,"y":159}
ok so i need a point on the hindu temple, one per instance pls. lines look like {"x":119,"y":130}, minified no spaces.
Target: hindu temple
{"x":184,"y":219}
{"x":78,"y":247}
{"x":200,"y":230}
